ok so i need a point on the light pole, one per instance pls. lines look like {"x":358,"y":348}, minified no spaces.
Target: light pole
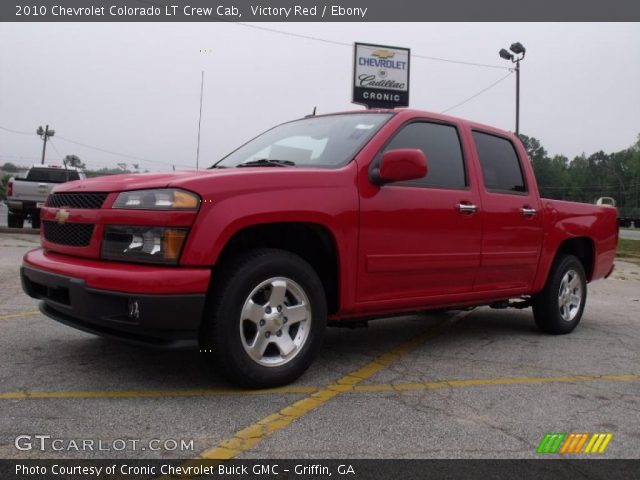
{"x":45,"y":133}
{"x":199,"y":121}
{"x":515,"y":57}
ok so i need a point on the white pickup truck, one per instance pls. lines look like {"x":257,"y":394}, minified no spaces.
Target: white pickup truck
{"x":25,"y":196}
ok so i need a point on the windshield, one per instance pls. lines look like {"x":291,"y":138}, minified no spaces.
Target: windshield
{"x":327,"y":141}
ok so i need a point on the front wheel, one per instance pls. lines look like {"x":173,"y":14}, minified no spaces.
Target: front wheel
{"x":265,"y":319}
{"x":558,"y":308}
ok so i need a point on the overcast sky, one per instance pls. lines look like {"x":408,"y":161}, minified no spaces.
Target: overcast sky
{"x":134,"y":88}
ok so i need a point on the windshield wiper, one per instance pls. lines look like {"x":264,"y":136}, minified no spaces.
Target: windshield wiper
{"x":267,"y":162}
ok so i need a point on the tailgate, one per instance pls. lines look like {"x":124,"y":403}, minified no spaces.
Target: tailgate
{"x":25,"y":190}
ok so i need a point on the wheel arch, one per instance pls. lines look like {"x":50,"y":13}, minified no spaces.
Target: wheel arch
{"x":581,"y":247}
{"x":313,"y":242}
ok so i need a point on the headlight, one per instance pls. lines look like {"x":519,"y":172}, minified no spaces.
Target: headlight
{"x":143,"y":244}
{"x":158,"y":199}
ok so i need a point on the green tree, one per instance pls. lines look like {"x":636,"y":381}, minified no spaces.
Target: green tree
{"x":105,"y":171}
{"x":533,"y":147}
{"x":550,"y":173}
{"x":74,"y":161}
{"x":3,"y":186}
{"x":9,"y":167}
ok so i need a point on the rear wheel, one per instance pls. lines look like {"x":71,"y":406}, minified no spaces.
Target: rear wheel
{"x":558,"y":308}
{"x":15,"y":220}
{"x":35,"y":220}
{"x":265,"y":320}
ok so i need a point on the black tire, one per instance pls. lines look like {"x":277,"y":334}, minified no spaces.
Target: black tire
{"x":226,"y":339}
{"x":15,"y":220}
{"x":35,"y":220}
{"x":555,"y":309}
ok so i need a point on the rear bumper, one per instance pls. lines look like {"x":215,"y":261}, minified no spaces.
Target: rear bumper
{"x":22,"y":206}
{"x":151,"y":319}
{"x":613,"y":266}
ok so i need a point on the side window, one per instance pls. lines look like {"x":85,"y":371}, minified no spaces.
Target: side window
{"x":500,"y":165}
{"x":441,"y":146}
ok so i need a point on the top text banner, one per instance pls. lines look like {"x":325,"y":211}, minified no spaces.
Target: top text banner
{"x":317,"y":11}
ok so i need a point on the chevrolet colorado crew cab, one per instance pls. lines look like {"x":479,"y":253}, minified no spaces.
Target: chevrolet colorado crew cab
{"x":331,"y":218}
{"x":25,"y":196}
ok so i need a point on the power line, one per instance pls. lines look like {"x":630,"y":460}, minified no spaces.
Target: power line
{"x":55,"y":149}
{"x":106,"y":151}
{"x":15,"y":131}
{"x":133,"y":157}
{"x":477,"y":94}
{"x":350,"y":45}
{"x":345,"y":44}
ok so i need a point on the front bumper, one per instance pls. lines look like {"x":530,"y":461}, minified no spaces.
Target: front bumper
{"x":160,"y":320}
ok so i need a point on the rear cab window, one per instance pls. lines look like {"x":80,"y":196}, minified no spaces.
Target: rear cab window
{"x":52,"y":175}
{"x":501,"y":168}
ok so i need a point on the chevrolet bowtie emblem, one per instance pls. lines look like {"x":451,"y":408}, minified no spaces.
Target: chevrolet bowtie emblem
{"x":62,"y":216}
{"x":382,"y":53}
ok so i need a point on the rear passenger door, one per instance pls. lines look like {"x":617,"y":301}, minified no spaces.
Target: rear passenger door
{"x":511,"y":219}
{"x":416,"y":240}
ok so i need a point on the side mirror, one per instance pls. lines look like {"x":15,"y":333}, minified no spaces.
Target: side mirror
{"x":400,"y":165}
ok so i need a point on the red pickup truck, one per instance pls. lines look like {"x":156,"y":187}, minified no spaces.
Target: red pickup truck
{"x":334,"y":218}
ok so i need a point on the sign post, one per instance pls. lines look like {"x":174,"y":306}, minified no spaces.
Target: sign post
{"x":380,"y":76}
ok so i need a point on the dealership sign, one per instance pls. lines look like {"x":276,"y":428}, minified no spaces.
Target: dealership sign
{"x":380,"y":76}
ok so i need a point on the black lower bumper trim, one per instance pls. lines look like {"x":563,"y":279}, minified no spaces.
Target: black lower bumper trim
{"x":146,"y":339}
{"x":166,"y":321}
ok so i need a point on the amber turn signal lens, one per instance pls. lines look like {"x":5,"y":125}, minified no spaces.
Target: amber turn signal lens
{"x":183,"y":199}
{"x":172,"y":243}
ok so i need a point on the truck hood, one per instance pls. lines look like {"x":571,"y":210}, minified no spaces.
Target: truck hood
{"x":133,"y":181}
{"x":207,"y":181}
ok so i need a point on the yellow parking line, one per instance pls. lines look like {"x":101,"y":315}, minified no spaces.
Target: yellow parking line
{"x":195,"y":392}
{"x":26,"y":313}
{"x":344,"y":385}
{"x":248,"y":437}
{"x":493,"y":381}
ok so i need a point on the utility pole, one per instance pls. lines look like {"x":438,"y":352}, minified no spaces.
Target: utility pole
{"x":200,"y":120}
{"x":44,"y":135}
{"x":518,"y":54}
{"x":518,"y":97}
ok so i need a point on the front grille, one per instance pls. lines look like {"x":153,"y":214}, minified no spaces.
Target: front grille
{"x":76,"y":200}
{"x":71,"y":234}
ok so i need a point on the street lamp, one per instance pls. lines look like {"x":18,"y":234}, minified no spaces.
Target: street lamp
{"x":45,"y":133}
{"x":515,"y":55}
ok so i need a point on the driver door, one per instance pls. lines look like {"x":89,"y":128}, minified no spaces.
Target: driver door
{"x":421,"y":238}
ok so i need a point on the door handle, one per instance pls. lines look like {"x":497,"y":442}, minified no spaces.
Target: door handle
{"x":528,"y":212}
{"x":467,"y":208}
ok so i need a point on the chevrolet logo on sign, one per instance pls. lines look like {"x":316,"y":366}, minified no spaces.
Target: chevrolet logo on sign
{"x":62,"y":216}
{"x":382,"y":53}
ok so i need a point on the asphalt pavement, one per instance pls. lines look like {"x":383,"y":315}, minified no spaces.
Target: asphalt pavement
{"x":474,"y":384}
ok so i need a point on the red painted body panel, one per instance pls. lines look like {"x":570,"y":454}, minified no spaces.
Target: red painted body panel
{"x":122,"y":277}
{"x":399,"y":248}
{"x":564,"y":220}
